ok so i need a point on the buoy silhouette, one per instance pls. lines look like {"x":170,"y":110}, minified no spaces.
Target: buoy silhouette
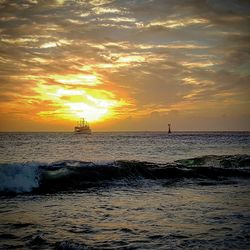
{"x":169,"y":128}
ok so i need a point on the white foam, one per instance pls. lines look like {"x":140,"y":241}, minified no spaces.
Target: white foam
{"x":18,"y":178}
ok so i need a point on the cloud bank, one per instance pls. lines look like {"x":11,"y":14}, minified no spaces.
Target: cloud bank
{"x":148,"y":62}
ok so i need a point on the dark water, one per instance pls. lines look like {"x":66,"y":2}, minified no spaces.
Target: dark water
{"x":125,"y":191}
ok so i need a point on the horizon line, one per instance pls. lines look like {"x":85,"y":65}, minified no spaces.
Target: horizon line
{"x":128,"y":131}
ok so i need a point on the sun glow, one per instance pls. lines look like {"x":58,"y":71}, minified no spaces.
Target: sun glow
{"x":77,"y":79}
{"x":92,"y":104}
{"x":92,"y":114}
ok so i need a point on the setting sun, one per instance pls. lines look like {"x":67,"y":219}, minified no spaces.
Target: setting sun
{"x":78,"y":102}
{"x":92,"y":114}
{"x":94,"y":110}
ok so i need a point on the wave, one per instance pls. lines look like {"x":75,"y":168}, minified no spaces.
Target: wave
{"x":72,"y":175}
{"x":19,"y":178}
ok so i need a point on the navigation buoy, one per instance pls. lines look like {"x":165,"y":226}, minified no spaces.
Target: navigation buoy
{"x":169,"y":128}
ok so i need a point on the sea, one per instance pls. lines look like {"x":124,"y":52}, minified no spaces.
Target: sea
{"x":125,"y":190}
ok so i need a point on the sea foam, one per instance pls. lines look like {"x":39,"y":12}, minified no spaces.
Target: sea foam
{"x":19,"y":178}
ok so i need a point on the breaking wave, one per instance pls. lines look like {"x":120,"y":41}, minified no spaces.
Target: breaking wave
{"x":72,"y":175}
{"x":19,"y":178}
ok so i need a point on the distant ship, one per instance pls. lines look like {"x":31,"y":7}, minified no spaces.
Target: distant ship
{"x":82,"y":127}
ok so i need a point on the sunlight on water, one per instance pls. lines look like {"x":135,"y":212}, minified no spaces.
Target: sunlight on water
{"x":133,"y":217}
{"x":148,"y":146}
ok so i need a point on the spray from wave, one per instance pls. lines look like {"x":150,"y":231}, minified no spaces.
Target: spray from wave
{"x":19,"y":178}
{"x":72,"y":175}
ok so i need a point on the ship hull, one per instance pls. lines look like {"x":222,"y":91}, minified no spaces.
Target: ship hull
{"x":83,"y":132}
{"x":79,"y":130}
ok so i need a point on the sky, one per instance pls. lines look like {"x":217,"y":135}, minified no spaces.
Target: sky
{"x":125,"y":65}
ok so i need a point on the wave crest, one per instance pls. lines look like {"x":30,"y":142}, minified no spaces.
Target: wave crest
{"x":70,"y":175}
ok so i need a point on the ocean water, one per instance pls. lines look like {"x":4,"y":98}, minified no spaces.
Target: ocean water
{"x":133,"y":190}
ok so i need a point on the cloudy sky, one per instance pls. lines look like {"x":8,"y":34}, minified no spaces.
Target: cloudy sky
{"x":125,"y":64}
